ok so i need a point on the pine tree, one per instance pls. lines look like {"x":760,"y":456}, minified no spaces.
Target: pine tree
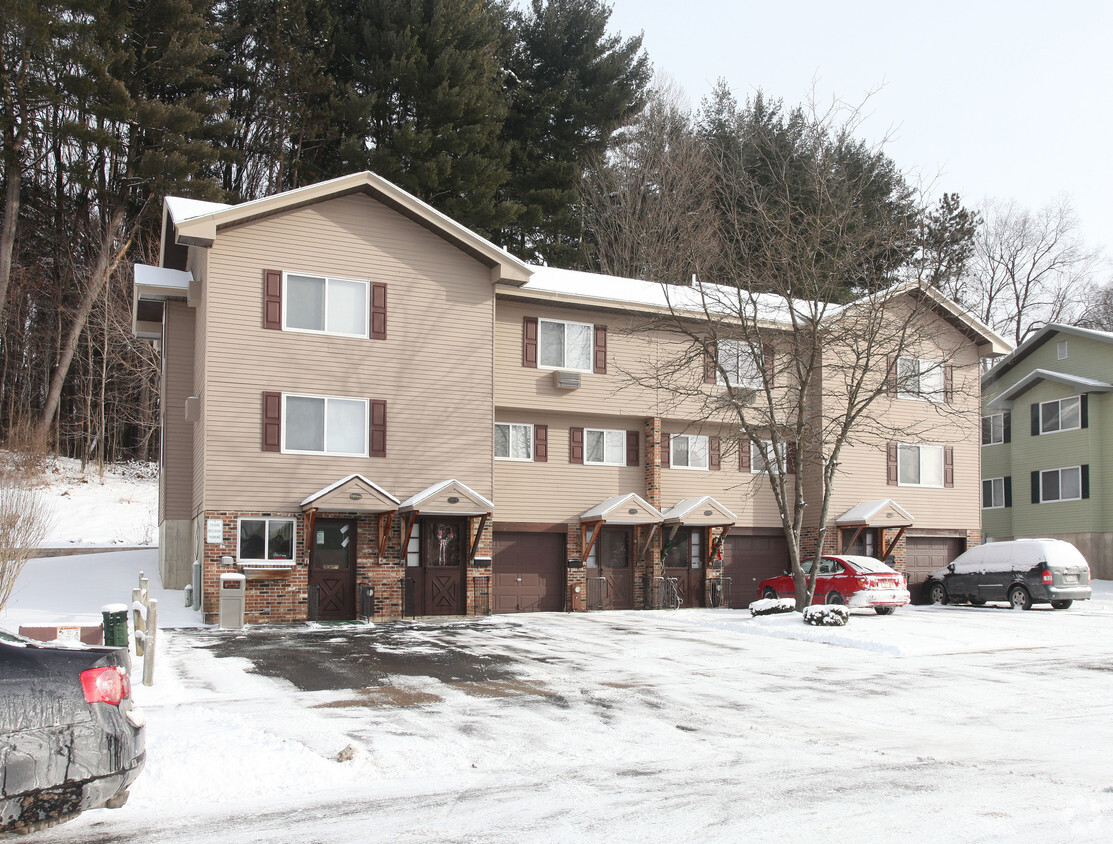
{"x":572,"y":85}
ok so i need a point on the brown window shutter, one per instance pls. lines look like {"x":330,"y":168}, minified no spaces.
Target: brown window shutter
{"x":575,"y":445}
{"x":272,"y":299}
{"x":891,"y":472}
{"x":710,"y":351}
{"x":541,"y":443}
{"x":948,"y":467}
{"x":713,"y":453}
{"x":601,"y":349}
{"x":666,"y":460}
{"x":790,"y":458}
{"x":378,"y":428}
{"x":891,"y":375}
{"x":769,"y":360}
{"x":272,"y":421}
{"x":378,"y":311}
{"x":949,"y":384}
{"x":529,"y":342}
{"x":744,"y":455}
{"x":633,"y":448}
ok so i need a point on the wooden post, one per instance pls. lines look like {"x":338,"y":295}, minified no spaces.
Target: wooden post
{"x":152,"y":632}
{"x":137,"y":623}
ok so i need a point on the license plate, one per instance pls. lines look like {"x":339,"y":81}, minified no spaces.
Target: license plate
{"x":1070,"y":578}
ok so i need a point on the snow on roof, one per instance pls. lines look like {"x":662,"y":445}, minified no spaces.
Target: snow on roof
{"x":1079,"y":383}
{"x":1016,"y":554}
{"x":341,"y":482}
{"x":415,"y":499}
{"x":865,"y":513}
{"x":600,"y":510}
{"x":181,"y":208}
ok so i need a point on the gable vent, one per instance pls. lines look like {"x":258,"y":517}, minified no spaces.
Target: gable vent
{"x":566,"y":380}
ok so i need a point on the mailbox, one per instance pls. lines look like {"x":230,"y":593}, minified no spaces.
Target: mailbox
{"x":233,"y":588}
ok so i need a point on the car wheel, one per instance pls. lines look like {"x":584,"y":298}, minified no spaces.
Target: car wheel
{"x":884,"y":610}
{"x":834,"y":597}
{"x":1061,"y":605}
{"x":769,"y":592}
{"x":1019,"y":597}
{"x":937,"y":593}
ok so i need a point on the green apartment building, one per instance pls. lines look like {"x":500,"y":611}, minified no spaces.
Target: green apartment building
{"x":1047,"y":424}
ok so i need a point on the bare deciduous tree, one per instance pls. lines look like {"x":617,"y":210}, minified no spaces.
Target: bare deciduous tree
{"x":25,"y":521}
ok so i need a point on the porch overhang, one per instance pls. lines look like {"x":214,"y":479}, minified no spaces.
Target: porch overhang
{"x":880,"y":513}
{"x":353,"y":494}
{"x":701,"y":512}
{"x":447,"y":498}
{"x":629,"y":510}
{"x":153,"y":286}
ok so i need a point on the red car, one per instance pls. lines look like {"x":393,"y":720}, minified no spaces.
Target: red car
{"x":845,"y":579}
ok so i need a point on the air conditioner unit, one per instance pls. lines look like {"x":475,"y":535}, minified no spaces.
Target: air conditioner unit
{"x":566,"y":380}
{"x":743,"y":395}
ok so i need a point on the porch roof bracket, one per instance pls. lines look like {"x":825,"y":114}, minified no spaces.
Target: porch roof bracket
{"x":893,"y":543}
{"x":649,"y":539}
{"x":478,"y":534}
{"x":587,"y":546}
{"x":853,"y":539}
{"x":384,"y":520}
{"x":408,"y":519}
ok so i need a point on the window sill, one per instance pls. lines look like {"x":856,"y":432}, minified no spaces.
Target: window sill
{"x":265,"y":564}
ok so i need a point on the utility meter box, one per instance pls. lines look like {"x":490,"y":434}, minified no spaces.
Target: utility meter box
{"x":233,"y":596}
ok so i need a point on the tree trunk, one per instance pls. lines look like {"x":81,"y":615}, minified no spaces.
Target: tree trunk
{"x":107,"y":259}
{"x":12,"y":179}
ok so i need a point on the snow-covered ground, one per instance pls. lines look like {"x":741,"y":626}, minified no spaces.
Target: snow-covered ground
{"x":935,"y":724}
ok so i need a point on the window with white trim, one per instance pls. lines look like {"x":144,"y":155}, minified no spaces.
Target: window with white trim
{"x":325,"y":305}
{"x":413,"y":547}
{"x":993,"y":429}
{"x":513,"y":441}
{"x":265,"y":540}
{"x":741,"y":362}
{"x":324,"y":425}
{"x":993,"y":493}
{"x":920,"y":465}
{"x":1061,"y":484}
{"x":920,"y":378}
{"x":688,"y":451}
{"x":1060,"y":415}
{"x":1061,"y":350}
{"x":761,"y":456}
{"x":565,"y":345}
{"x":604,"y":448}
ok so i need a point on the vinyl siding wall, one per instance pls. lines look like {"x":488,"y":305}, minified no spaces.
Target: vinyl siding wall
{"x":176,"y":477}
{"x":434,"y":370}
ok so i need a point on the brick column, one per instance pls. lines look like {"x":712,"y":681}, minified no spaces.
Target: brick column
{"x":653,"y":460}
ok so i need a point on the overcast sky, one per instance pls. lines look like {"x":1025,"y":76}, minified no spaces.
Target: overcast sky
{"x":984,"y":98}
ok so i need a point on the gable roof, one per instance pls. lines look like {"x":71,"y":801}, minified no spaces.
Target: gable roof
{"x":629,"y":509}
{"x":191,"y":222}
{"x":447,"y":498}
{"x":353,"y":494}
{"x":1078,"y":383}
{"x":1040,"y":337}
{"x":881,"y":512}
{"x":699,"y":511}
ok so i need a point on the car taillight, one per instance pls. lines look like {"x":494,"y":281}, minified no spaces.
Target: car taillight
{"x":109,"y":684}
{"x":1047,"y":578}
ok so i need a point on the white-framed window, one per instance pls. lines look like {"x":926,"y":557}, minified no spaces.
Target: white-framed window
{"x":604,"y":448}
{"x":265,"y":540}
{"x":688,"y":451}
{"x":993,"y":429}
{"x":1061,"y":415}
{"x":513,"y":441}
{"x":1061,"y":350}
{"x":324,"y":425}
{"x":1061,"y":484}
{"x":762,"y":455}
{"x":920,"y":465}
{"x":993,"y":493}
{"x":325,"y":305}
{"x":920,"y":378}
{"x":413,"y":547}
{"x":565,"y":345}
{"x":741,"y":362}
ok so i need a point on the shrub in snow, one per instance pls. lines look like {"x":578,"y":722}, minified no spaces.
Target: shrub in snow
{"x":827,"y":615}
{"x":772,"y":606}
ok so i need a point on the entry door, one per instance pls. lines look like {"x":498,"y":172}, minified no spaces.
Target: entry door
{"x":684,"y":563}
{"x":615,"y":555}
{"x":443,"y":543}
{"x":332,"y":568}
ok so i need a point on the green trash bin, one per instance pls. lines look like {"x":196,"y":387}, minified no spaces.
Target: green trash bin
{"x":115,"y":625}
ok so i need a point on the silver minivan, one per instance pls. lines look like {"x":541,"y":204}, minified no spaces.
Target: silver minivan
{"x":1021,"y":571}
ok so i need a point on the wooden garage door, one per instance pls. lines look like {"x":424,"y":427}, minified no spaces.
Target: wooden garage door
{"x":748,"y":560}
{"x":925,"y":554}
{"x":528,"y":572}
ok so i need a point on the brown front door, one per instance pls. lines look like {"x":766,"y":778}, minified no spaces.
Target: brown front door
{"x":615,"y":554}
{"x":684,"y":565}
{"x":332,"y":568}
{"x":443,"y":549}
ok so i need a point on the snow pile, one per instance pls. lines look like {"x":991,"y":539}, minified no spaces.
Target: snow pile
{"x":826,"y":615}
{"x":772,"y":606}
